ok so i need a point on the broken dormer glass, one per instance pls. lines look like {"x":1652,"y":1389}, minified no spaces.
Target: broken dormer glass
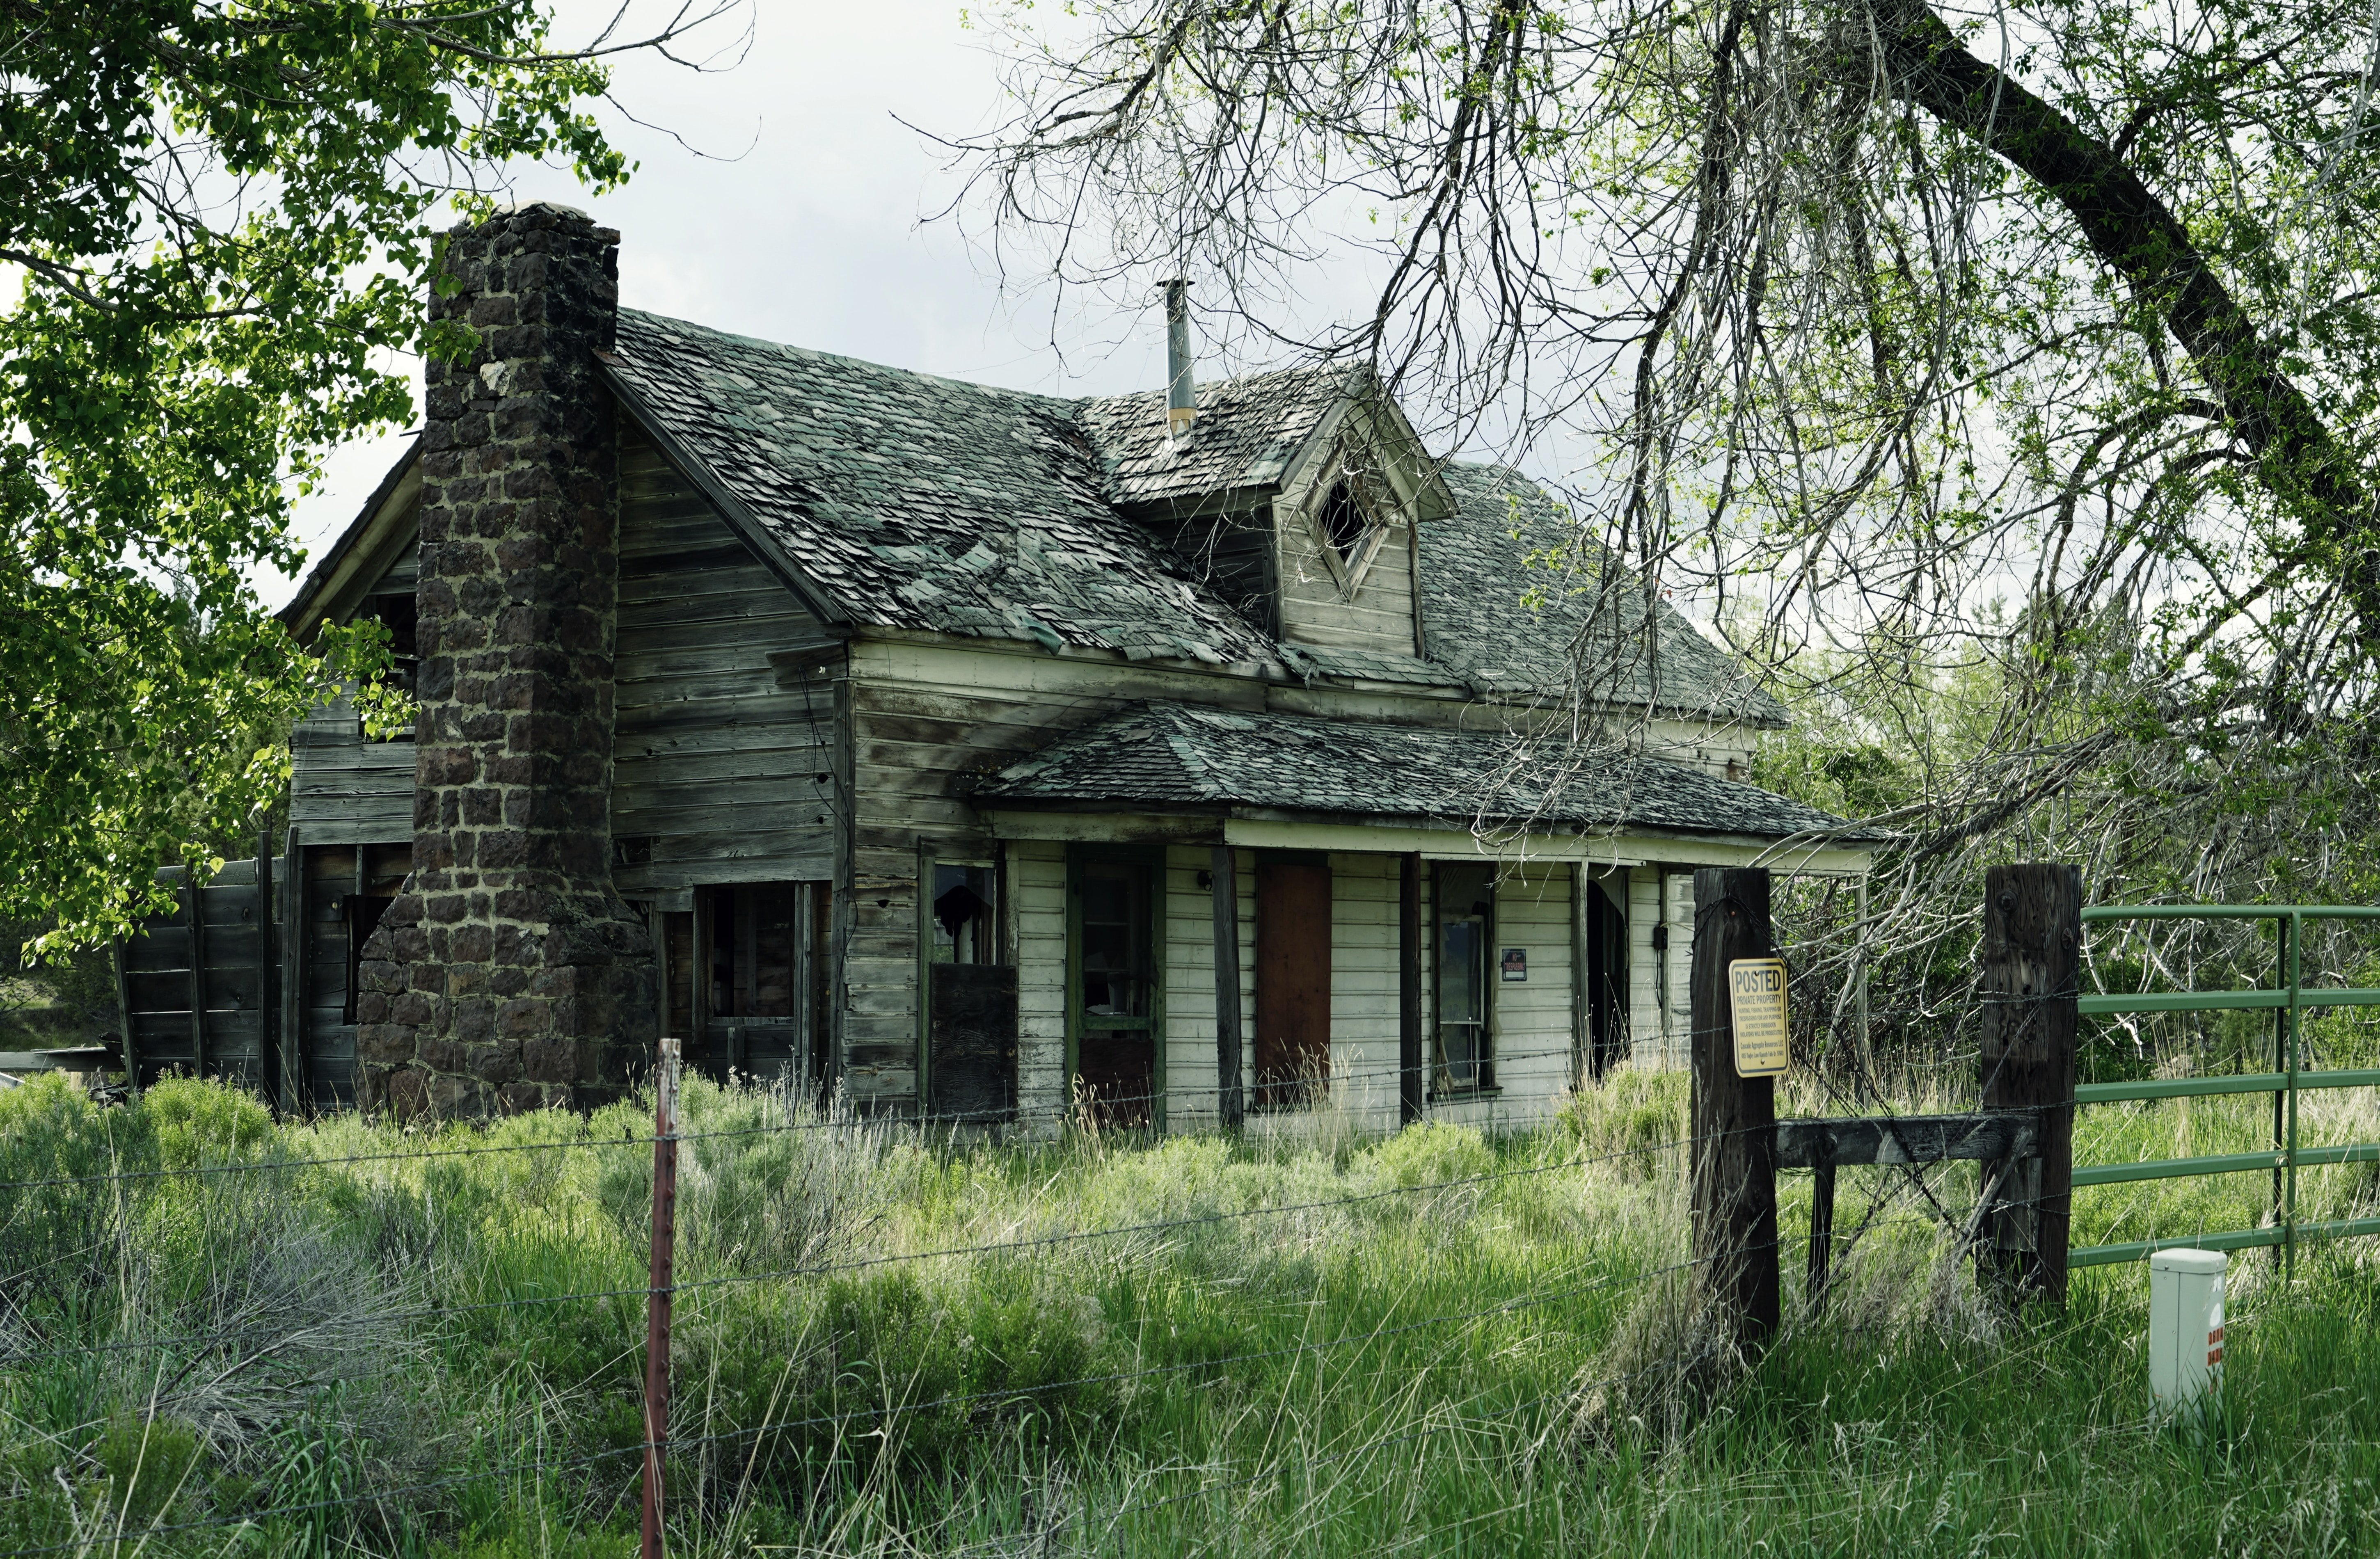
{"x":1344,"y":522}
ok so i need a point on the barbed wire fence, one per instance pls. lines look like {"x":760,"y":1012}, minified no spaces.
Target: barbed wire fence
{"x":882,"y":1412}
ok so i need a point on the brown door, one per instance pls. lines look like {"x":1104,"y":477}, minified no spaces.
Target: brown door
{"x":1292,"y":976}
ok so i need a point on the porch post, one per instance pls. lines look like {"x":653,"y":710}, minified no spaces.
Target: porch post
{"x":1409,"y":1062}
{"x":1224,"y":872}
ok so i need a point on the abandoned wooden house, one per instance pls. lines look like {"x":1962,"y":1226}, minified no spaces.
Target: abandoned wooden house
{"x":965,"y":750}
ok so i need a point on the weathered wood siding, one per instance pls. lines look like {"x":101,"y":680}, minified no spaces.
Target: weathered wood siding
{"x":722,"y":770}
{"x":1659,"y":1021}
{"x":1192,"y":1070}
{"x":343,"y":790}
{"x":924,"y":719}
{"x":1317,"y":610}
{"x":157,"y":987}
{"x":1037,"y":930}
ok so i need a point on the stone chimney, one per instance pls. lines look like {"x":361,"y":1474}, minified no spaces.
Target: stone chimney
{"x":509,"y":975}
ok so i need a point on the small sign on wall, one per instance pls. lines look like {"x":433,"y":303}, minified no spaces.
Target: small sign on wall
{"x":1757,"y":989}
{"x":1516,"y":966}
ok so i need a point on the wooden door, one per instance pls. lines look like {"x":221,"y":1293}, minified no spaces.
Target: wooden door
{"x":1292,"y":976}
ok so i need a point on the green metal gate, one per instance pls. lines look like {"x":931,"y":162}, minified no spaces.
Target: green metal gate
{"x":2285,"y":998}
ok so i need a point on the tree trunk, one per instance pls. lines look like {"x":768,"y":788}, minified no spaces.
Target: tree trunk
{"x":2298,"y":459}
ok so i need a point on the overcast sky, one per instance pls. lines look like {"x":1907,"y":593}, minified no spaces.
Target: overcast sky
{"x":813,"y":234}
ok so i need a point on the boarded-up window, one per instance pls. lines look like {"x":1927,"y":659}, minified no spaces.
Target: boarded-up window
{"x":972,"y":1060}
{"x":1293,"y":977}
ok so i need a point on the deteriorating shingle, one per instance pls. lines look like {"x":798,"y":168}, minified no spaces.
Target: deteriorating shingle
{"x":920,"y":502}
{"x":1178,"y":755}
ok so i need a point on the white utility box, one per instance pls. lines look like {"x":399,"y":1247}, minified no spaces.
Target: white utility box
{"x":2185,"y":1326}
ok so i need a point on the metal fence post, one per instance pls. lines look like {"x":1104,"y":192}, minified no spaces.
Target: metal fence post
{"x":2290,"y":1154}
{"x":657,"y":1300}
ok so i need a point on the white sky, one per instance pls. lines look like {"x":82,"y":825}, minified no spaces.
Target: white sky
{"x":814,"y":235}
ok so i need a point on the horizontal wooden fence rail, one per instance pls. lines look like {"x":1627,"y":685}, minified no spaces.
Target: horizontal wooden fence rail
{"x":1906,"y":1138}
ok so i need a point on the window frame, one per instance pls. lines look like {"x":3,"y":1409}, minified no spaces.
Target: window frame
{"x":1152,"y":858}
{"x":1440,"y":1088}
{"x":929,"y":859}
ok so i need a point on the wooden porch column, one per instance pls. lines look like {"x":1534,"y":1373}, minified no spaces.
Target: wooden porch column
{"x":1230,"y":1099}
{"x":1409,"y":1006}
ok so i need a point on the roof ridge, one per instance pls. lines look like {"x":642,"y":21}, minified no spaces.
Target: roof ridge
{"x":1065,"y":405}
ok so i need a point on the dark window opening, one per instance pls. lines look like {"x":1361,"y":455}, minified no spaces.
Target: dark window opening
{"x":1344,"y":522}
{"x":742,"y":976}
{"x":963,"y":929}
{"x":1115,"y":945}
{"x":398,"y":612}
{"x":1115,"y":976}
{"x":1466,"y":922}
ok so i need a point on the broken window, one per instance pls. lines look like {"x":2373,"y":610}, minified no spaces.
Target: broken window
{"x":743,"y":975}
{"x":1345,"y":523}
{"x":961,"y":929}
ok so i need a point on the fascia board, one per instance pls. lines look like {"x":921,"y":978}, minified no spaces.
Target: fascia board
{"x":358,"y":548}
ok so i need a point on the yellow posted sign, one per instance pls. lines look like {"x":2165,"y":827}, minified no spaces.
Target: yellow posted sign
{"x":1757,"y":988}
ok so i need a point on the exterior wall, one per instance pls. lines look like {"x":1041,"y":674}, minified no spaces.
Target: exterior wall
{"x":716,"y":757}
{"x":1191,"y":1064}
{"x":1536,"y":1044}
{"x":1037,"y":917}
{"x":1317,"y":610}
{"x":1660,"y":1020}
{"x":343,"y":790}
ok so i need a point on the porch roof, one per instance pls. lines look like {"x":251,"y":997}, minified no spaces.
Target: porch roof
{"x":1167,"y":756}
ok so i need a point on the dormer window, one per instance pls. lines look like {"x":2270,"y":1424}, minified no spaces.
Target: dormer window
{"x":1344,"y":522}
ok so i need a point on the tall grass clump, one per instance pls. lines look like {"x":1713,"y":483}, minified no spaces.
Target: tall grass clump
{"x":224,"y":1333}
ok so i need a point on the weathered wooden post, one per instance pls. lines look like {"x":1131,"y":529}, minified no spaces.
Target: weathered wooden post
{"x":1230,"y":1101}
{"x":268,"y":983}
{"x":1733,"y":1185}
{"x":2031,"y":957}
{"x":1408,"y":999}
{"x":660,"y":1290}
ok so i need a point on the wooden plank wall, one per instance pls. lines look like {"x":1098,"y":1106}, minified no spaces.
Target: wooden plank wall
{"x":1531,"y":1022}
{"x":1037,"y":929}
{"x":717,"y":758}
{"x":1658,"y":1037}
{"x":158,"y":987}
{"x":912,"y":748}
{"x":1190,"y":1061}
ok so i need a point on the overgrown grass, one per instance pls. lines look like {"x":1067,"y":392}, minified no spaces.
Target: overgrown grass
{"x":1452,"y":1345}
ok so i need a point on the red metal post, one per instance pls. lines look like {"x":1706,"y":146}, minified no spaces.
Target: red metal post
{"x":657,"y":1302}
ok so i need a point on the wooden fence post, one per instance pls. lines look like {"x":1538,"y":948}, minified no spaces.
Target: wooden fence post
{"x":657,"y":1299}
{"x":1734,"y":1189}
{"x":2031,"y":959}
{"x":268,"y":982}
